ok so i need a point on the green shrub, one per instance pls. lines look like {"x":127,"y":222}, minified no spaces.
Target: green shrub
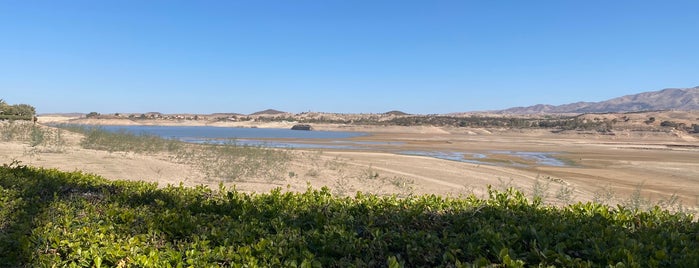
{"x":53,"y":218}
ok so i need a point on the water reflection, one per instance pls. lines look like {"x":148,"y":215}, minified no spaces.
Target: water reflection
{"x":540,"y":158}
{"x":544,"y":159}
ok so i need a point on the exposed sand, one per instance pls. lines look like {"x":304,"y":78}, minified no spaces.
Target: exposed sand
{"x":664,"y":163}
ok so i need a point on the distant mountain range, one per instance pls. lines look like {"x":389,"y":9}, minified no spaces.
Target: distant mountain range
{"x":685,"y":99}
{"x":666,"y":99}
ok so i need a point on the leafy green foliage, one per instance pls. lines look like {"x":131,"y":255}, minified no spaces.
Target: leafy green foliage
{"x":53,"y":218}
{"x":92,"y":115}
{"x":17,"y":111}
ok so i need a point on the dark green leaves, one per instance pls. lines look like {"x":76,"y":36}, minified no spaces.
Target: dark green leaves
{"x":48,"y":217}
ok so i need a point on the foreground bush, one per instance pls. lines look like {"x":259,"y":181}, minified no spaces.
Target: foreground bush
{"x":48,"y":218}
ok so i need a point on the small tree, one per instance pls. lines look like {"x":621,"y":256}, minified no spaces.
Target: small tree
{"x":92,"y":114}
{"x":24,"y":110}
{"x":18,"y":111}
{"x":4,"y":108}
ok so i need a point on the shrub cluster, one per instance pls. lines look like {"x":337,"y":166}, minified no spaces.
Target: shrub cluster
{"x":53,"y":218}
{"x":16,"y":112}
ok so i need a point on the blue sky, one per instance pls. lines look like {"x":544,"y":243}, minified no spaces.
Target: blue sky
{"x":340,"y":56}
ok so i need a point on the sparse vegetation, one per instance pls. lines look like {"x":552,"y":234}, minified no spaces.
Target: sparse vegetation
{"x":565,"y":194}
{"x":231,"y":162}
{"x":369,"y":174}
{"x":314,"y":173}
{"x":342,"y":186}
{"x":225,"y":162}
{"x":604,"y":195}
{"x":405,"y":185}
{"x":480,"y":121}
{"x":99,"y":139}
{"x":15,"y":131}
{"x":637,"y":201}
{"x":39,"y":138}
{"x":540,"y":189}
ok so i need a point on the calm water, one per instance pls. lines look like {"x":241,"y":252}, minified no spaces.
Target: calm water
{"x":542,"y":159}
{"x":204,"y":133}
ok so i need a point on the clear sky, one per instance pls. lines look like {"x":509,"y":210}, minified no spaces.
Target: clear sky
{"x":340,"y":56}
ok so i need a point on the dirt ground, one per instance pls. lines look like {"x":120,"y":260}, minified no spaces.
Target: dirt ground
{"x":659,"y":164}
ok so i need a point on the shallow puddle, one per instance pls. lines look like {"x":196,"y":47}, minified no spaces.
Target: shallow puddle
{"x":540,"y":158}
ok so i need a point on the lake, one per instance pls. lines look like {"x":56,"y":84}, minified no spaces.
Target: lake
{"x":243,"y":136}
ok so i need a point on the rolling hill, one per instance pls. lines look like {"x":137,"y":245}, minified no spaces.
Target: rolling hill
{"x":666,"y":99}
{"x":268,"y":112}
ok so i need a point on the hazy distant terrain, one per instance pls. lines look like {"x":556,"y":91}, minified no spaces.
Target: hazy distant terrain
{"x":682,"y":99}
{"x":666,"y":99}
{"x":664,"y":110}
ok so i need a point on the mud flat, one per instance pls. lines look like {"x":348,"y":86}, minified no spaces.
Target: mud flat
{"x":659,"y":165}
